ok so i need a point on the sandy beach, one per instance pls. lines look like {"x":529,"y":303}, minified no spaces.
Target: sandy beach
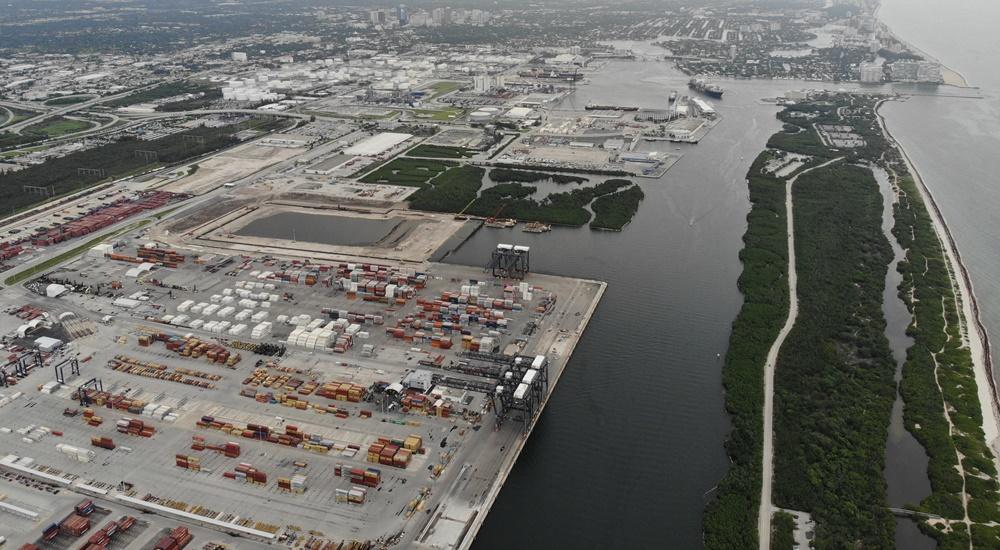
{"x":975,"y":332}
{"x":950,"y":76}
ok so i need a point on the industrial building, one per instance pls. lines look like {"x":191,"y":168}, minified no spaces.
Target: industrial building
{"x":377,"y":144}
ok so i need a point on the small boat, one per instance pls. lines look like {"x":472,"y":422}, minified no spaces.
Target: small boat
{"x":673,"y":96}
{"x":536,"y":227}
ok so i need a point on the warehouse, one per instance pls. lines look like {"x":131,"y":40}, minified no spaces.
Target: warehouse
{"x":377,"y":144}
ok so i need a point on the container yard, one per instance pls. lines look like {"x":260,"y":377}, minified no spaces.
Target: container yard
{"x":366,"y":403}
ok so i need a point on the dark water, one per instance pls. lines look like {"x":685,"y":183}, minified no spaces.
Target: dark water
{"x":631,"y":443}
{"x":954,"y":142}
{"x":321,"y":228}
{"x":905,"y":459}
{"x":632,"y":439}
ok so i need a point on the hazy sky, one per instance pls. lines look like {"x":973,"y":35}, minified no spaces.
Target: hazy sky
{"x":960,"y":33}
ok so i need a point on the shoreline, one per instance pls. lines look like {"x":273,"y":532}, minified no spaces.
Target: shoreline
{"x":945,"y":69}
{"x":472,"y":531}
{"x":978,"y":339}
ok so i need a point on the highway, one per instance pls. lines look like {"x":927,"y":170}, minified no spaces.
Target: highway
{"x":16,"y":128}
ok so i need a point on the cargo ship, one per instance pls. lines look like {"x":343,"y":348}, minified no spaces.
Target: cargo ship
{"x":711,"y":90}
{"x":599,"y":107}
{"x":536,"y":227}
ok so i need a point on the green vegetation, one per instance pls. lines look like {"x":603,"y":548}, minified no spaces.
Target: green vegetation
{"x":782,"y":531}
{"x":68,"y":255}
{"x":511,"y":200}
{"x":46,"y":129}
{"x":55,"y":127}
{"x":67,"y":100}
{"x":169,"y":89}
{"x":731,"y":517}
{"x":10,"y":140}
{"x":507,"y":174}
{"x":614,"y":211}
{"x":440,"y":88}
{"x":19,"y":115}
{"x":111,"y":161}
{"x":19,"y":152}
{"x":202,"y":100}
{"x":440,"y":151}
{"x":404,"y":171}
{"x":834,"y":376}
{"x":795,"y":139}
{"x":445,"y":113}
{"x":939,"y":357}
{"x":451,"y":191}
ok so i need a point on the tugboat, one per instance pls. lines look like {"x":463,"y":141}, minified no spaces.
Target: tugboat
{"x":536,"y":227}
{"x":711,"y":90}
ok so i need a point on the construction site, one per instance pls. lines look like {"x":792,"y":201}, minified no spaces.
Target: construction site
{"x":310,"y":403}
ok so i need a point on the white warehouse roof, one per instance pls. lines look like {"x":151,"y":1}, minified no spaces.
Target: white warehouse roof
{"x":377,"y":144}
{"x":519,"y":112}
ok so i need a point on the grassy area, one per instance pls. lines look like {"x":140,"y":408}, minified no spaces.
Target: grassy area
{"x":68,"y":255}
{"x":731,"y":517}
{"x":19,"y":152}
{"x":438,"y":89}
{"x":447,"y":113}
{"x":404,"y":171}
{"x":67,"y":100}
{"x":440,"y":151}
{"x":10,"y":140}
{"x":451,"y":191}
{"x":56,"y":126}
{"x":615,"y":210}
{"x":19,"y":115}
{"x":382,"y":116}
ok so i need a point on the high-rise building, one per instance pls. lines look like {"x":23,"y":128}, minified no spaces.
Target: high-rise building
{"x":419,"y":19}
{"x":871,"y":72}
{"x":929,"y":72}
{"x":484,"y":83}
{"x":904,"y":71}
{"x":403,"y":15}
{"x":440,"y":16}
{"x":377,"y":17}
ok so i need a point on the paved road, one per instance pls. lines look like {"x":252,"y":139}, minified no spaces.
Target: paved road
{"x":766,"y":506}
{"x":16,"y":128}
